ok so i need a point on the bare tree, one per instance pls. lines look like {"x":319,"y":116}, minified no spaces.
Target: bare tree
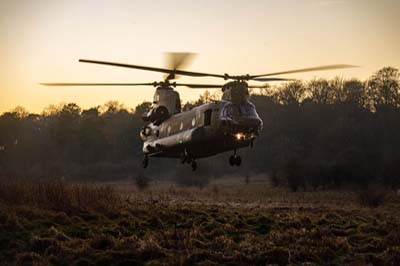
{"x":383,"y":87}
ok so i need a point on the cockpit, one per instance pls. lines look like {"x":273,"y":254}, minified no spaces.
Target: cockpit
{"x":232,"y":110}
{"x":240,"y":118}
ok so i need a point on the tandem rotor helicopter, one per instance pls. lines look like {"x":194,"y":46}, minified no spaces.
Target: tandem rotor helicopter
{"x":206,"y":130}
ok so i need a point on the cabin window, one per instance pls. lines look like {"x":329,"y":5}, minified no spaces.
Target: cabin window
{"x":207,"y":117}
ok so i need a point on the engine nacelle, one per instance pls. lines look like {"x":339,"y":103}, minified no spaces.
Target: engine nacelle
{"x":156,"y":115}
{"x":166,"y":103}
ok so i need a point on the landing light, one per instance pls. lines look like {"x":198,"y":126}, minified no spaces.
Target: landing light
{"x":244,"y":136}
{"x":240,"y":136}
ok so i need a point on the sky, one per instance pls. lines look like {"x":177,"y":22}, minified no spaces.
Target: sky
{"x":42,"y":40}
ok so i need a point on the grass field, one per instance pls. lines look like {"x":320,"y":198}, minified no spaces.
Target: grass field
{"x":56,"y":223}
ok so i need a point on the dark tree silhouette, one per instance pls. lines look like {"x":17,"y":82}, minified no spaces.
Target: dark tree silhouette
{"x":317,"y":134}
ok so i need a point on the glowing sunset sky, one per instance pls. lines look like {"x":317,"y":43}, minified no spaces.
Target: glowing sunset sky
{"x":42,"y":40}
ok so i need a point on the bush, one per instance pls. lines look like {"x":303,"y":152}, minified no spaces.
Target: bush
{"x":142,"y":181}
{"x":57,"y":195}
{"x":372,"y":197}
{"x":200,"y":181}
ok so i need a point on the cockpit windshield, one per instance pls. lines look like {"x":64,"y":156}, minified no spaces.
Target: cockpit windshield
{"x":248,"y":110}
{"x":232,"y":110}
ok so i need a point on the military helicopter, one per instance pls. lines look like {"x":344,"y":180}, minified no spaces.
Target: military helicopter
{"x":212,"y":128}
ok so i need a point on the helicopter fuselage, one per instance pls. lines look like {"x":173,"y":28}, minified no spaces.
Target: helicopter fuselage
{"x":203,"y":131}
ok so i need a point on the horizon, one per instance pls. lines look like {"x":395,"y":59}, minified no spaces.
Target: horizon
{"x":124,"y":106}
{"x":42,"y":42}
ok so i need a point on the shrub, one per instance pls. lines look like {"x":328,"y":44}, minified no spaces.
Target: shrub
{"x":142,"y":181}
{"x":200,"y":181}
{"x":57,"y":195}
{"x":372,"y":197}
{"x":102,"y":242}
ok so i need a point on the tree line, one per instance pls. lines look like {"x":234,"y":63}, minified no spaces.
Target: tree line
{"x":317,"y":134}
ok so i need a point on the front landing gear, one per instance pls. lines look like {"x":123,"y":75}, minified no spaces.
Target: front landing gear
{"x":235,"y":159}
{"x":185,"y":158}
{"x":194,"y":165}
{"x":145,"y":161}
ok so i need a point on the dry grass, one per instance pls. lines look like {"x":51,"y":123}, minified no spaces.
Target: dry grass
{"x":55,"y":223}
{"x":57,"y":195}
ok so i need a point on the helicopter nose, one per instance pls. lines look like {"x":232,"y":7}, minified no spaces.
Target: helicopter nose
{"x":244,"y":125}
{"x":252,"y":125}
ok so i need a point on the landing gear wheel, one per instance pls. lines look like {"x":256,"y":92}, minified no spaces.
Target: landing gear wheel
{"x":194,"y":165}
{"x":182,"y":159}
{"x":145,"y":161}
{"x":235,"y":160}
{"x":232,"y":160}
{"x":238,"y":161}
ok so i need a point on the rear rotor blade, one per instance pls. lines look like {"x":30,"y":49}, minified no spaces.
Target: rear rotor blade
{"x":98,"y":84}
{"x":259,"y":87}
{"x":155,"y":69}
{"x":318,"y":68}
{"x":177,"y":60}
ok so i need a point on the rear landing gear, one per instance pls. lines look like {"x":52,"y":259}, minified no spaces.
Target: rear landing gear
{"x":194,"y":165}
{"x":183,"y":159}
{"x":235,"y":159}
{"x":145,"y":161}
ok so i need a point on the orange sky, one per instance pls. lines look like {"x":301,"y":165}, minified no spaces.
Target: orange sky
{"x":42,"y":40}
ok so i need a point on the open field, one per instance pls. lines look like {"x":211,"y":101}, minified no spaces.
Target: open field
{"x":55,"y":223}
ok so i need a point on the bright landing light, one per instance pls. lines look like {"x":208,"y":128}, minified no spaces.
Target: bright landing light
{"x":240,"y":136}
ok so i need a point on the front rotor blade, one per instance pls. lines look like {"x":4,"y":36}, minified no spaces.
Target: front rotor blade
{"x":97,"y":84}
{"x":200,"y":86}
{"x":155,"y":69}
{"x":215,"y":86}
{"x":319,"y":68}
{"x":272,"y":79}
